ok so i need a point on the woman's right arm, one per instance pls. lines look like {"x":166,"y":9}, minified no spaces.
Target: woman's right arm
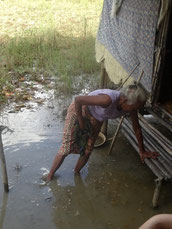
{"x":99,"y":100}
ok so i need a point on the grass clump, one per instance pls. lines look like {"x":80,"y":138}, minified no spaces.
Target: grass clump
{"x":53,"y":38}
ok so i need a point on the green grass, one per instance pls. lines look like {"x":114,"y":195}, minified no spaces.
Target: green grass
{"x":53,"y":38}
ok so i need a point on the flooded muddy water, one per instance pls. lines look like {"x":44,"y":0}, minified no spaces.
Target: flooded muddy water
{"x":112,"y":192}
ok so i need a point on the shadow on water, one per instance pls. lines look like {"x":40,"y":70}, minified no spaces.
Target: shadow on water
{"x":111,"y":192}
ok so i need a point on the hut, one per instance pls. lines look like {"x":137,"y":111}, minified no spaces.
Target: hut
{"x":135,"y":36}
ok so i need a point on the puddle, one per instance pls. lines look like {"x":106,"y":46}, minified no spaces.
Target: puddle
{"x":111,"y":192}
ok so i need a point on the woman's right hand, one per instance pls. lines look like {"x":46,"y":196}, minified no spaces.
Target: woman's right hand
{"x":99,"y":100}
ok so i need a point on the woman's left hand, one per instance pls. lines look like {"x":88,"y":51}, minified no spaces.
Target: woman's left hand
{"x":148,"y":154}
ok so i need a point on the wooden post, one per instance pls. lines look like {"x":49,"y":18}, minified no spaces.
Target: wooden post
{"x":3,"y":165}
{"x":128,"y":76}
{"x":3,"y":209}
{"x":140,"y":77}
{"x":115,"y":135}
{"x":103,"y":84}
{"x":158,"y":184}
{"x":102,"y":76}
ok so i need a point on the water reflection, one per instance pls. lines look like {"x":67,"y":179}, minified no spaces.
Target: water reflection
{"x":3,"y":209}
{"x":73,"y":206}
{"x":101,"y":196}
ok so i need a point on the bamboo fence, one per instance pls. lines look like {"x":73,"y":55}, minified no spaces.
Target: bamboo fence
{"x":154,"y":141}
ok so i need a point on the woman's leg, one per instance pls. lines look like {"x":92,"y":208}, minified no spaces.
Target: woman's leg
{"x":96,"y":126}
{"x":66,"y":142}
{"x":81,"y":162}
{"x":58,"y":160}
{"x":89,"y":148}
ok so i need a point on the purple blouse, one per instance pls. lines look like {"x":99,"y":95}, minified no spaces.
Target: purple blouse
{"x":110,"y":112}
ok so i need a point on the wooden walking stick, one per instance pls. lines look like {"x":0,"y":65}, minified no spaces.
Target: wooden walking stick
{"x":3,"y":163}
{"x":115,"y":135}
{"x":122,"y":118}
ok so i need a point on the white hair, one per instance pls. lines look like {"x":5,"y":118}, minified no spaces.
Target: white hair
{"x":134,"y":93}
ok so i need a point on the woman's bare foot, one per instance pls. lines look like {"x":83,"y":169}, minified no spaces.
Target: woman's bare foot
{"x":77,"y":173}
{"x":46,"y":177}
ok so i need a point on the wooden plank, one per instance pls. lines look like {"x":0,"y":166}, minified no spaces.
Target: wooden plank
{"x":159,"y":162}
{"x":148,"y":162}
{"x":163,"y":170}
{"x":158,"y":138}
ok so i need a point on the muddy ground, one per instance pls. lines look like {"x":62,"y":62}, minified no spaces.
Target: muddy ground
{"x":112,"y":192}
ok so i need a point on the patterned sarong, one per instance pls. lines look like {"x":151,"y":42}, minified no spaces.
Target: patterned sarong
{"x":76,"y":140}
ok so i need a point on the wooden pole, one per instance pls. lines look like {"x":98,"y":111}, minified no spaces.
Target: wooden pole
{"x":103,"y":84}
{"x":102,"y":76}
{"x":3,"y":209}
{"x":128,"y":76}
{"x":156,"y":132}
{"x":147,"y":161}
{"x":3,"y":165}
{"x":156,"y":147}
{"x":140,"y":77}
{"x":115,"y":135}
{"x":162,"y":162}
{"x":165,"y":122}
{"x":158,"y":185}
{"x":153,"y":135}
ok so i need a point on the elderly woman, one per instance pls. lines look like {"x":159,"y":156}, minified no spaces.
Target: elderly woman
{"x":86,"y":115}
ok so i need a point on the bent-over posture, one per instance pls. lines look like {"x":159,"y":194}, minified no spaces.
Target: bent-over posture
{"x":85,"y":117}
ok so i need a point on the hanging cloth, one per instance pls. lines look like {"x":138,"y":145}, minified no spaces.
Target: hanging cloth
{"x":115,"y":7}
